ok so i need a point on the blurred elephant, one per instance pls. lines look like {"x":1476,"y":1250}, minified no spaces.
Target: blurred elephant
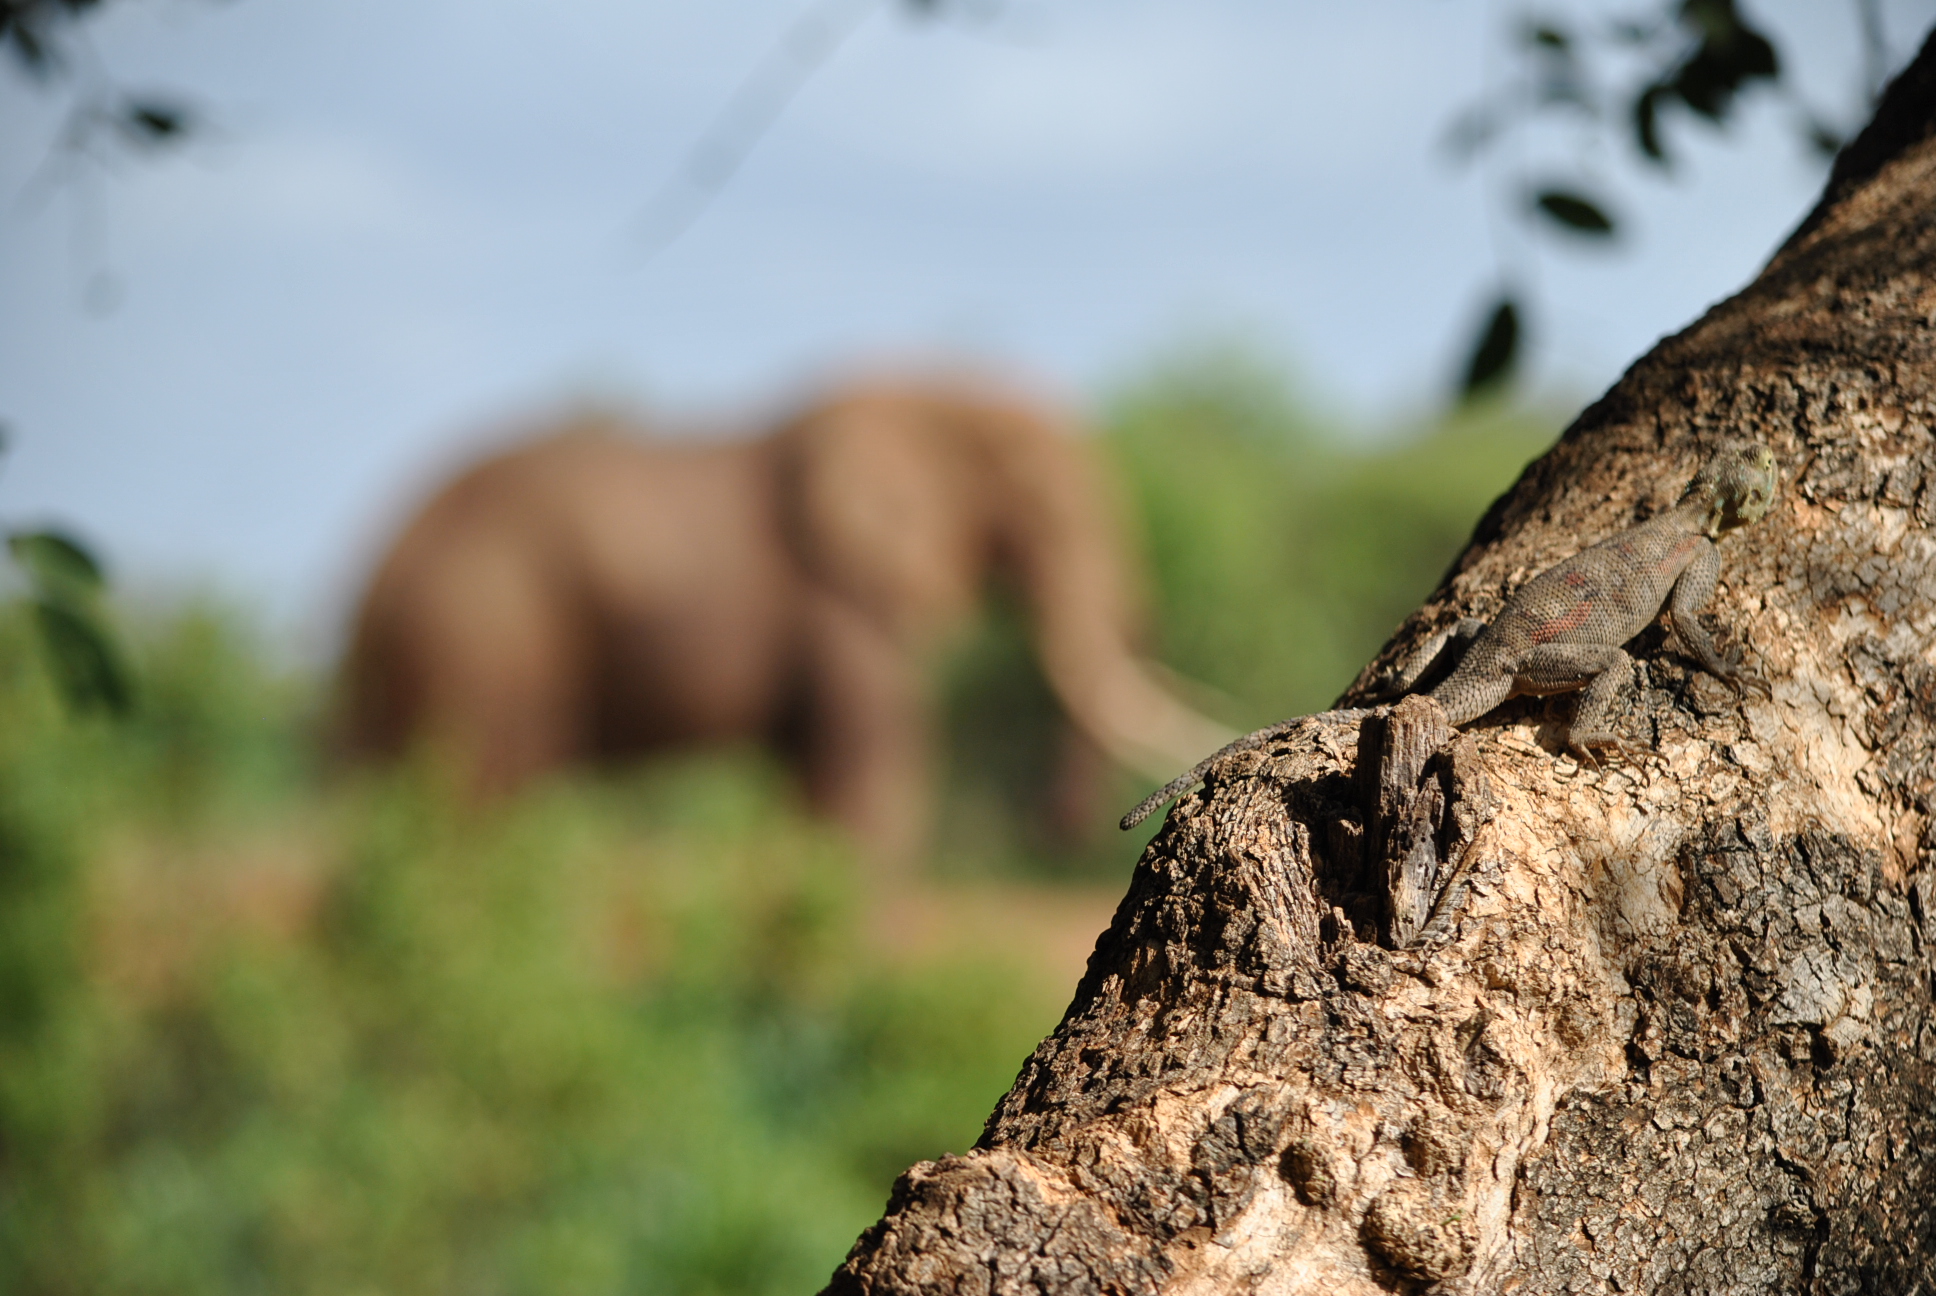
{"x":594,"y":595}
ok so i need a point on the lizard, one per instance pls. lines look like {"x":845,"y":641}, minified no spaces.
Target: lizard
{"x":1564,"y":630}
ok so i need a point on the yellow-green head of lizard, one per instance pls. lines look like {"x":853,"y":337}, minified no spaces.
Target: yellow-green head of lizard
{"x":1737,"y":486}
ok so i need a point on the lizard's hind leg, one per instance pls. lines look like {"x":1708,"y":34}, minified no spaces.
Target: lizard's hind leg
{"x":1606,"y":673}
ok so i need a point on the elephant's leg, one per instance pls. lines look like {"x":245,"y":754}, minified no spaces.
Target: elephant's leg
{"x":865,"y":744}
{"x":502,"y":675}
{"x":528,"y":725}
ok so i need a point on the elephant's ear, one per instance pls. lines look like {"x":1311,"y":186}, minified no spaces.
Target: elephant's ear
{"x":881,"y":506}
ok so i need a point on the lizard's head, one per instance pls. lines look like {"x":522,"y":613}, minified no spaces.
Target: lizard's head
{"x":1737,"y":485}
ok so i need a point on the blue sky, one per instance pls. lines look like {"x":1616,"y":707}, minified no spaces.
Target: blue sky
{"x":412,"y":226}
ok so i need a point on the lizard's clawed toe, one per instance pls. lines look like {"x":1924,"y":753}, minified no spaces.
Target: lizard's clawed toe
{"x":1584,"y":751}
{"x":1585,"y":755}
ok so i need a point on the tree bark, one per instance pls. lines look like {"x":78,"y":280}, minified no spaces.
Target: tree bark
{"x":1390,"y":1010}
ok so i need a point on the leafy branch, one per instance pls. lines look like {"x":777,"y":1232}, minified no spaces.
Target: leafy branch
{"x":82,"y":655}
{"x":1689,"y":59}
{"x":66,"y":590}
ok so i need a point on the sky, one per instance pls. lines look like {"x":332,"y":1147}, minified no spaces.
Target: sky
{"x":409,"y":228}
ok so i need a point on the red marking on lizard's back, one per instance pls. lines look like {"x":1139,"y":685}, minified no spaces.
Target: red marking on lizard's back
{"x":1572,"y":619}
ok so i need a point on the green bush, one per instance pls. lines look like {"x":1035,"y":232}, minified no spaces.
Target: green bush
{"x":612,"y":1037}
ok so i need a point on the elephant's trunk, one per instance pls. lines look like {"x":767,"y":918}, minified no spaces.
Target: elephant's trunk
{"x":1063,"y":531}
{"x":1116,"y":701}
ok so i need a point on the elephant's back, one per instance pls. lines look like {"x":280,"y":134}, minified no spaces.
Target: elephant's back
{"x":588,"y":512}
{"x":640,"y":583}
{"x":635,"y":524}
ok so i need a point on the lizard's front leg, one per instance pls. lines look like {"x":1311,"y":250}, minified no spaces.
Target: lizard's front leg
{"x":1604,"y":672}
{"x":1692,"y":591}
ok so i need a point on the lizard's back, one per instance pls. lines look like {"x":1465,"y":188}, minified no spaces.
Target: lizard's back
{"x":1605,"y":594}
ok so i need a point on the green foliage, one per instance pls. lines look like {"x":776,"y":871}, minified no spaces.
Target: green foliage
{"x":611,"y":1038}
{"x":219,"y":731}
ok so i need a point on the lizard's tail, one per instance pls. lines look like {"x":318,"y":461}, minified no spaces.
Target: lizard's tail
{"x":1174,"y":788}
{"x":1183,"y":782}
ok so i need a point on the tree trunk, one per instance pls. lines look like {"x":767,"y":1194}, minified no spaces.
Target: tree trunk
{"x":1387,"y":1012}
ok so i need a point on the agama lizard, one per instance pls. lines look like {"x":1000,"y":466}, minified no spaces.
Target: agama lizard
{"x":1563,"y":630}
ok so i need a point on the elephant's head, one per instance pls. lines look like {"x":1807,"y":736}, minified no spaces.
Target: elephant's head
{"x":906,"y":498}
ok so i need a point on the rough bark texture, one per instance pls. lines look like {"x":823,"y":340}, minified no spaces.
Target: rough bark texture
{"x":1383,"y":1012}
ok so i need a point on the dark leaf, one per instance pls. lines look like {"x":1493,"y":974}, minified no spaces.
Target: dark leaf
{"x":1646,"y":123}
{"x":1545,"y":36}
{"x":152,"y":122}
{"x":85,"y":664}
{"x":1823,"y":138}
{"x":1712,"y":19}
{"x":59,"y":565}
{"x":157,"y":121}
{"x":1730,"y":54}
{"x":1575,"y":213}
{"x":1703,"y":85}
{"x":1755,"y":56}
{"x":1496,"y":351}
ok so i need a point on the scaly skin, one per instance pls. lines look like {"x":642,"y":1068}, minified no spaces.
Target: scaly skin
{"x":1563,"y":630}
